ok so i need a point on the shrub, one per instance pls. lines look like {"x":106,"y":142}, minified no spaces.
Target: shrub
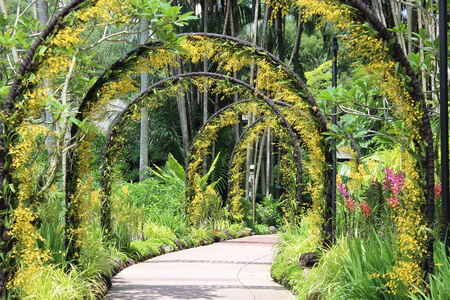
{"x":154,"y":231}
{"x":268,"y":211}
{"x":261,"y":229}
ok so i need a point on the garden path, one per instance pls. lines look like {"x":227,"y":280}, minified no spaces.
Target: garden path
{"x":234,"y":269}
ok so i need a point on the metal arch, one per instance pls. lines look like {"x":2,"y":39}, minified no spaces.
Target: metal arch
{"x":258,"y":51}
{"x":26,"y":66}
{"x":175,"y":79}
{"x":425,"y":130}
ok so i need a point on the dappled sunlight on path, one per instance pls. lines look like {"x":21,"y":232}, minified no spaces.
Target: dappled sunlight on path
{"x":235,"y":269}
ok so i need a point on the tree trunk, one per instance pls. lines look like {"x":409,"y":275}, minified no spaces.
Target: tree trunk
{"x":143,"y":143}
{"x":266,"y":20}
{"x":259,"y":163}
{"x":396,"y":16}
{"x":250,"y":114}
{"x":181,"y":104}
{"x":378,"y":10}
{"x":227,"y":16}
{"x":46,"y":115}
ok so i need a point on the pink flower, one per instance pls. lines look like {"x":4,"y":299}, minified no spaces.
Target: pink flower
{"x":393,"y":202}
{"x":351,"y":204}
{"x":365,"y":208}
{"x":437,"y":190}
{"x":388,"y":177}
{"x":344,"y":193}
{"x":394,"y":182}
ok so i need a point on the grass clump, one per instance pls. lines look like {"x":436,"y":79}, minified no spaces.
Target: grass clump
{"x":58,"y":284}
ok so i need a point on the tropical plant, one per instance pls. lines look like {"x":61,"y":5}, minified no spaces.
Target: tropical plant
{"x":268,"y":211}
{"x":438,"y":287}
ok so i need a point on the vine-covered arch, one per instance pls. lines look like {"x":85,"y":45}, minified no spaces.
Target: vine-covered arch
{"x":421,"y":139}
{"x":296,"y":85}
{"x":161,"y":84}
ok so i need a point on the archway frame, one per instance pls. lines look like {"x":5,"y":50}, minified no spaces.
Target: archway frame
{"x":426,"y":160}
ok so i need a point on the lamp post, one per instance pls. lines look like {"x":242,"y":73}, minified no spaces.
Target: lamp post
{"x":251,"y":190}
{"x":334,"y":49}
{"x":444,"y":120}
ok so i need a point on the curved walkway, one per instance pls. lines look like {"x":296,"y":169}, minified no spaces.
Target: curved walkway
{"x":234,"y":269}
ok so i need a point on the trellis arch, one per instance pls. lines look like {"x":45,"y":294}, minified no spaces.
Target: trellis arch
{"x":425,"y":134}
{"x":162,"y":84}
{"x":133,"y":56}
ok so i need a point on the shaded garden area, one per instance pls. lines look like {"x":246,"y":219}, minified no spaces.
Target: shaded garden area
{"x":134,"y":128}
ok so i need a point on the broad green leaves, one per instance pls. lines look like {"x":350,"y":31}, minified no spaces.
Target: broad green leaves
{"x":163,"y":18}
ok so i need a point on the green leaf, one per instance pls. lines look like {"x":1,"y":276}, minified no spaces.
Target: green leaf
{"x":205,"y":178}
{"x":4,"y":90}
{"x":187,"y":16}
{"x":93,"y":80}
{"x":182,"y":50}
{"x":3,"y":21}
{"x":75,"y":121}
{"x":175,"y":166}
{"x":335,"y":128}
{"x":42,"y":49}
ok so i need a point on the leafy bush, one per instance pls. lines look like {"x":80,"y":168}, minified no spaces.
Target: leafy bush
{"x":155,"y":231}
{"x":202,"y":234}
{"x":223,"y":235}
{"x":261,"y":229}
{"x":138,"y":250}
{"x":152,"y":194}
{"x":176,"y":222}
{"x":237,"y":230}
{"x":293,"y":240}
{"x":355,"y":269}
{"x":268,"y":211}
{"x":54,"y":238}
{"x":95,"y":259}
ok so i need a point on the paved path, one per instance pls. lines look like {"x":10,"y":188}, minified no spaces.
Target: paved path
{"x":236,"y":269}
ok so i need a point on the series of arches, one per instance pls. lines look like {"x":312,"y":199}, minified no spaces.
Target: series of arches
{"x":315,"y":121}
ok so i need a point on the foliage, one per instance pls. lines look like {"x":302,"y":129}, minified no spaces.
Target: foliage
{"x":57,"y":283}
{"x":356,"y":268}
{"x":319,"y":79}
{"x":202,"y":234}
{"x":380,"y":102}
{"x":261,"y":229}
{"x":268,"y":211}
{"x":293,"y":241}
{"x":95,"y":257}
{"x":154,"y":231}
{"x":176,"y":222}
{"x":237,"y":230}
{"x":439,"y":286}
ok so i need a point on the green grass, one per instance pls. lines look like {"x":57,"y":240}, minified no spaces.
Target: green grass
{"x":56,"y":284}
{"x":293,"y":241}
{"x":202,"y":234}
{"x":153,"y":230}
{"x":439,"y":287}
{"x":354,"y":269}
